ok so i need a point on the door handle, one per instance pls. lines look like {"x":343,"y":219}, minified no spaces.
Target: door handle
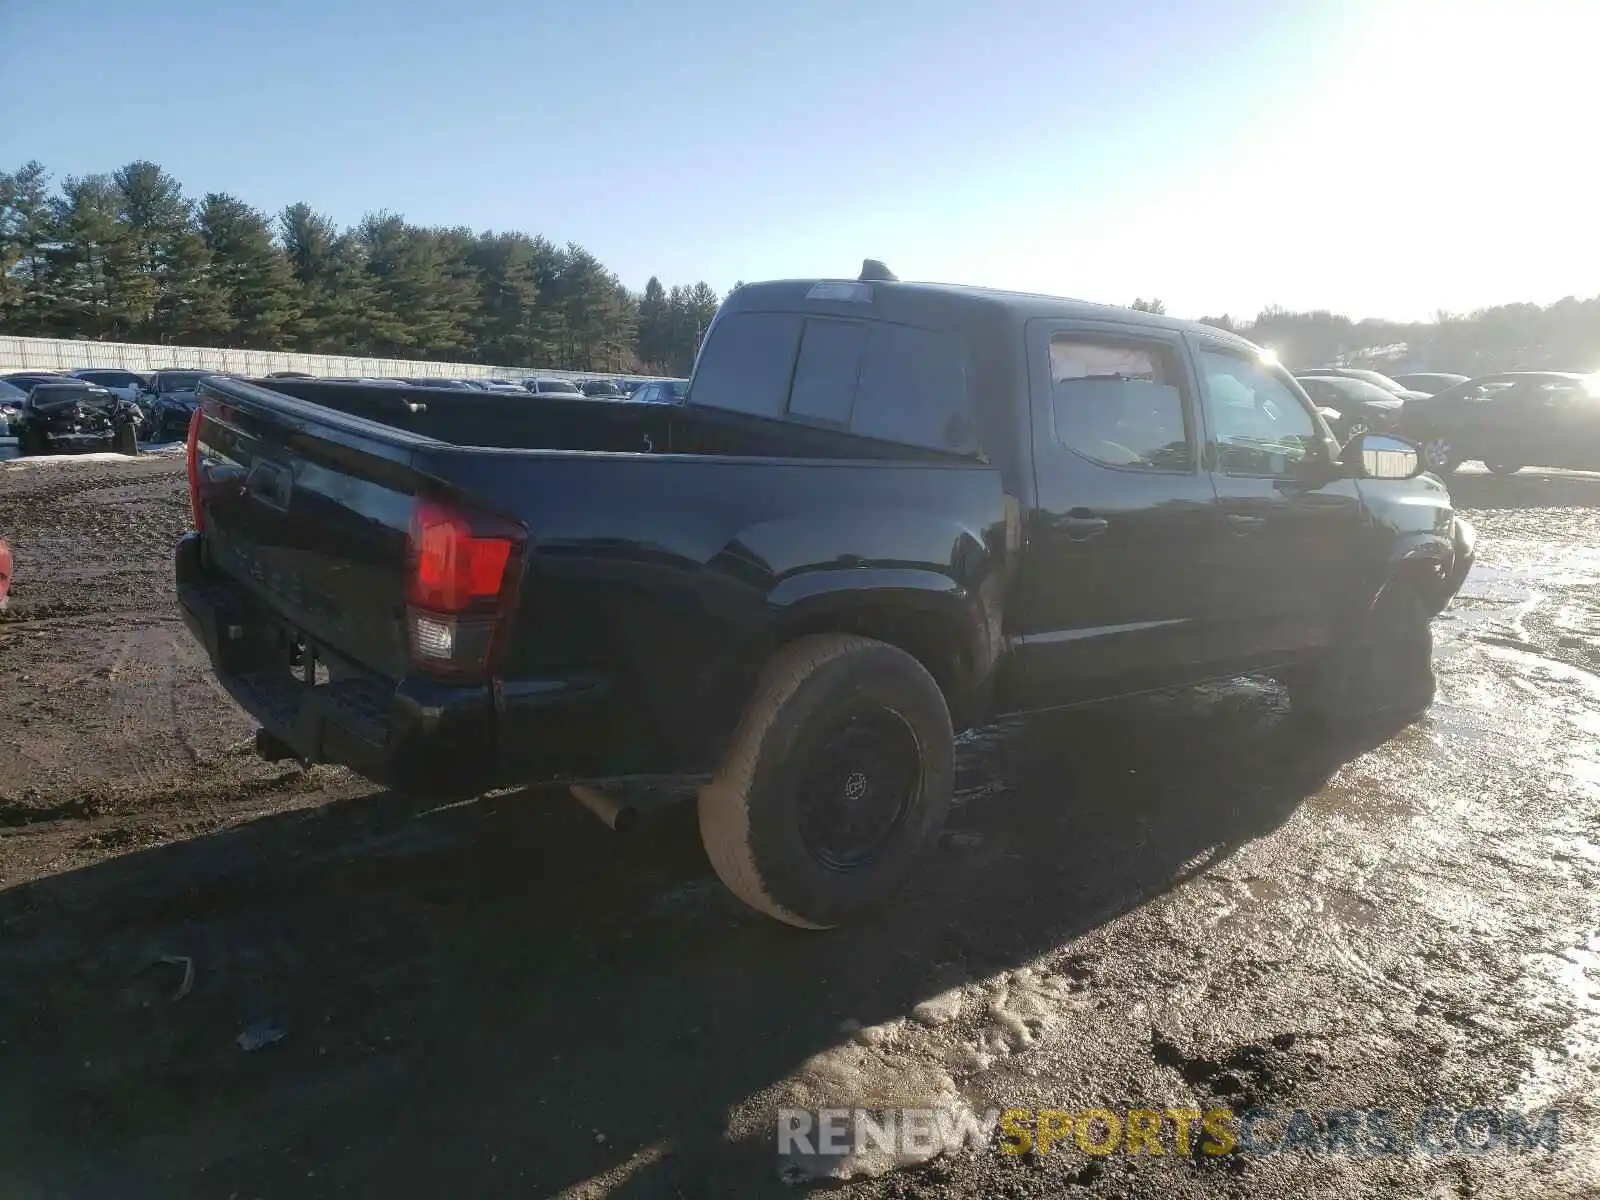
{"x":1080,"y":525}
{"x":1239,"y":524}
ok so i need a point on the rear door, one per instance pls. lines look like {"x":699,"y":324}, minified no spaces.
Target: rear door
{"x":1543,"y":422}
{"x":1291,"y":526}
{"x":1117,"y":584}
{"x":1475,"y":418}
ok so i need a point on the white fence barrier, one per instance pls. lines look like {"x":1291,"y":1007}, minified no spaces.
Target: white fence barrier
{"x":64,"y":354}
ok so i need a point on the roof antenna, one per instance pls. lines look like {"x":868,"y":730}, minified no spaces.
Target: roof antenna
{"x":873,"y":271}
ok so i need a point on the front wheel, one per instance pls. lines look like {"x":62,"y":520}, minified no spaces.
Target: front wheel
{"x":125,"y":441}
{"x":1504,"y":468}
{"x":1439,"y":456}
{"x":1381,"y":668}
{"x":837,"y":778}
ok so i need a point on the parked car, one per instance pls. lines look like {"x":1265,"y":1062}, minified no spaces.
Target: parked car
{"x":1375,"y":378}
{"x":601,"y":389}
{"x":1429,"y":382}
{"x":851,"y":553}
{"x":661,"y":391}
{"x":290,"y":375}
{"x":123,"y":383}
{"x":1510,"y":421}
{"x":456,"y":385}
{"x":70,"y":417}
{"x":128,"y":385}
{"x":26,"y":380}
{"x":1360,"y":407}
{"x":553,"y":387}
{"x":11,"y":398}
{"x":501,"y":385}
{"x":174,"y":402}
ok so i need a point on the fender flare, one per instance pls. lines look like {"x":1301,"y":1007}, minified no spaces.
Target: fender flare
{"x":811,"y":598}
{"x":1426,"y":559}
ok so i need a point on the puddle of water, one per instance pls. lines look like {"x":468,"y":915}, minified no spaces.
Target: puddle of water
{"x":1584,"y":773}
{"x":1570,"y":978}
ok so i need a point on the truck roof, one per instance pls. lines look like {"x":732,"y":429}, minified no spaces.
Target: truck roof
{"x":938,"y":305}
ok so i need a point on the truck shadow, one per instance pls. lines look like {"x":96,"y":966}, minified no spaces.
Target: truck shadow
{"x":1529,"y":488}
{"x":502,"y":996}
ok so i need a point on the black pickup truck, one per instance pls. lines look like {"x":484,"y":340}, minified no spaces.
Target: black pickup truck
{"x":887,"y":512}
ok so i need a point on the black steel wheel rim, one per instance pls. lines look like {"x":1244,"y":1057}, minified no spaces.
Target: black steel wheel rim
{"x":858,"y":777}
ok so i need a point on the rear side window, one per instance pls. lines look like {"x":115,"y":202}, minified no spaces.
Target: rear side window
{"x":1119,"y":404}
{"x":914,"y":389}
{"x":748,"y":363}
{"x":893,"y":382}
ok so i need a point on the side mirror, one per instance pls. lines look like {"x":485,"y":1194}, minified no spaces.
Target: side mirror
{"x":1381,"y":456}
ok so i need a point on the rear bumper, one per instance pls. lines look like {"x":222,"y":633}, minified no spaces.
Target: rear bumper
{"x":416,"y":731}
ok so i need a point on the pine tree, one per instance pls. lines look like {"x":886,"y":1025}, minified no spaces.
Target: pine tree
{"x":191,"y":308}
{"x":158,"y":218}
{"x":655,"y":328}
{"x":590,"y":305}
{"x":97,"y":284}
{"x":310,"y":245}
{"x":505,"y":324}
{"x":250,"y":270}
{"x":422,"y":280}
{"x":27,"y":222}
{"x":550,"y":343}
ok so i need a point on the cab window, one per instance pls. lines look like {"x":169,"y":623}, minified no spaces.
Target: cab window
{"x":1119,"y":404}
{"x":1259,"y":426}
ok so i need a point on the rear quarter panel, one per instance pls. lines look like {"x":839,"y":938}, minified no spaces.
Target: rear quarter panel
{"x":668,"y":578}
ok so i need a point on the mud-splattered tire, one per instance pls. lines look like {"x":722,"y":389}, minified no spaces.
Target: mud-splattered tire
{"x":125,"y":441}
{"x":1381,"y":670}
{"x":838,"y":776}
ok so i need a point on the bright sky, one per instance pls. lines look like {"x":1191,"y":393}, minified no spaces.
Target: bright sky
{"x":1375,"y":157}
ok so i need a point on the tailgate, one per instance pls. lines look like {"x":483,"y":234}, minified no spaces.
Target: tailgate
{"x":308,"y":509}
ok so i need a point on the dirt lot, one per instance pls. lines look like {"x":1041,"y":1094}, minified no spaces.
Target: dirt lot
{"x":1171,"y":902}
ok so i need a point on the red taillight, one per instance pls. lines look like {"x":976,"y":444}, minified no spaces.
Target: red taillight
{"x":195,"y":512}
{"x":452,"y":566}
{"x":459,"y":581}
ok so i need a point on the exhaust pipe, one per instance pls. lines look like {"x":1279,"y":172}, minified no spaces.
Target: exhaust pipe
{"x":618,"y":816}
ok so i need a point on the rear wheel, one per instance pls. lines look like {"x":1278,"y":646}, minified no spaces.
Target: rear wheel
{"x":1504,"y":468}
{"x":838,"y":777}
{"x":1382,"y":668}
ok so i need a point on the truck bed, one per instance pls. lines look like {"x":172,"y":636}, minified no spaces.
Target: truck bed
{"x":648,"y":589}
{"x":508,"y":422}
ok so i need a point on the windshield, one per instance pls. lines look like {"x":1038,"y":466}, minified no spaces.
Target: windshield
{"x":179,"y":381}
{"x":1358,"y":390}
{"x":1376,"y":379}
{"x":10,"y":391}
{"x":559,"y":385}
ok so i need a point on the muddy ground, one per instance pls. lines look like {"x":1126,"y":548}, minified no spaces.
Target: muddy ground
{"x":1177,"y":901}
